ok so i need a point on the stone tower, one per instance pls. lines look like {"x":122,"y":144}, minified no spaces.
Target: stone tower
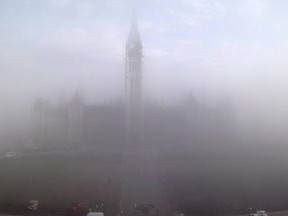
{"x":133,"y":85}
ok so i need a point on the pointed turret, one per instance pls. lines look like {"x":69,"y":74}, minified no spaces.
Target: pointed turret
{"x":134,"y":26}
{"x":134,"y":43}
{"x":134,"y":32}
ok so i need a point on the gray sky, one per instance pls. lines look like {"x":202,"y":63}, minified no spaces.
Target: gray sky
{"x":213,"y":48}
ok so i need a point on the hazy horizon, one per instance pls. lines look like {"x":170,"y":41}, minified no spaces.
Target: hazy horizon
{"x":214,"y":49}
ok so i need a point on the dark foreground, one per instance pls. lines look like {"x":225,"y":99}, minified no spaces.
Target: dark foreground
{"x":59,"y":179}
{"x":142,"y":192}
{"x":189,"y":182}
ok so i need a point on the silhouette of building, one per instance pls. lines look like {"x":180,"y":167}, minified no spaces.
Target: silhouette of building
{"x":113,"y":124}
{"x":62,"y":123}
{"x":104,"y":125}
{"x":133,"y":85}
{"x":72,"y":123}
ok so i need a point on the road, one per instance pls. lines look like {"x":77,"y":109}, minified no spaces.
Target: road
{"x":8,"y":215}
{"x":280,"y":213}
{"x":140,"y":185}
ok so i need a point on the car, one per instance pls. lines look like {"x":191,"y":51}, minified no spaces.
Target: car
{"x":95,"y":214}
{"x":259,"y":213}
{"x":10,"y":154}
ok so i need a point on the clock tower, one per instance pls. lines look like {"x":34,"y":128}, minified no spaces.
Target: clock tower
{"x":133,"y":85}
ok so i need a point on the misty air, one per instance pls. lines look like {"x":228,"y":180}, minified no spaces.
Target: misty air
{"x":143,"y":108}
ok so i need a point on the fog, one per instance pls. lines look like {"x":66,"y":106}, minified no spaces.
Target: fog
{"x":214,"y":74}
{"x":213,"y":49}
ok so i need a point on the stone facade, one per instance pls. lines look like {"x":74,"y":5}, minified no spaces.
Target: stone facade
{"x":62,"y":123}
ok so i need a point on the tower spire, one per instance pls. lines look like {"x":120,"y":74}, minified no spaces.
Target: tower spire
{"x":134,"y":24}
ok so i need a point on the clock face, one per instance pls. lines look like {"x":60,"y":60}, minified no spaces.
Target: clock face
{"x":134,"y":48}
